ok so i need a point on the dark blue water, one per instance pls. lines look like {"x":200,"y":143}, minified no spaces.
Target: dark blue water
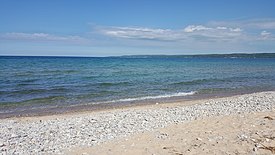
{"x":64,"y":81}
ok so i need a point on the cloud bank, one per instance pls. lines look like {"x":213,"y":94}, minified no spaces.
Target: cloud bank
{"x":213,"y":31}
{"x":238,"y":35}
{"x":193,"y":32}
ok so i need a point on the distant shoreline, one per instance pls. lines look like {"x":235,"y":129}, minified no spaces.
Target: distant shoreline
{"x":226,"y":55}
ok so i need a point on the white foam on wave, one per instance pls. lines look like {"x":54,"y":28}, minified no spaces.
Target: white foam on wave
{"x":153,"y":97}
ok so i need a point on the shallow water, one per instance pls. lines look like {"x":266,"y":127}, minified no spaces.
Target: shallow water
{"x":41,"y":82}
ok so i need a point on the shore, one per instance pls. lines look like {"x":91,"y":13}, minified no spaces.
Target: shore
{"x":187,"y":127}
{"x":234,"y":134}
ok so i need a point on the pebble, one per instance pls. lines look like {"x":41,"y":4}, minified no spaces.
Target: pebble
{"x":255,"y":149}
{"x":2,"y":144}
{"x":199,"y":139}
{"x":56,"y":135}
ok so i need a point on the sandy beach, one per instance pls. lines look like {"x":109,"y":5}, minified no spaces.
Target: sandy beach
{"x":236,"y":134}
{"x":242,"y":124}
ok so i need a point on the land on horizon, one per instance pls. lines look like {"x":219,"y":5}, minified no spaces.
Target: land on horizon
{"x":226,"y":55}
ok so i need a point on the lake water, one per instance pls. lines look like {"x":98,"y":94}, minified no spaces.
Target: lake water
{"x":43,"y":82}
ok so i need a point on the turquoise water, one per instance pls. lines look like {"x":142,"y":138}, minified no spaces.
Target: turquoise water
{"x":41,"y":82}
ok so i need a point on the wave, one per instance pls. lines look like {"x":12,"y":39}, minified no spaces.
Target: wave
{"x":29,"y":91}
{"x":35,"y":91}
{"x":24,"y":74}
{"x":213,"y":90}
{"x":29,"y":80}
{"x":46,"y":99}
{"x":58,"y":71}
{"x":35,"y":101}
{"x":26,"y":84}
{"x":113,"y":84}
{"x":221,"y":80}
{"x":215,"y":80}
{"x":153,"y":97}
{"x":200,"y":81}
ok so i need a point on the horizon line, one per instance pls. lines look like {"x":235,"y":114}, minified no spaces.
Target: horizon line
{"x":246,"y":53}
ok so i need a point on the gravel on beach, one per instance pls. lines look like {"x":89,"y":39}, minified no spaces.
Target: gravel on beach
{"x":60,"y":133}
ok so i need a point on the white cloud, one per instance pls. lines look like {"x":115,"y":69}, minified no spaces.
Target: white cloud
{"x":139,"y":33}
{"x":267,"y":23}
{"x":222,"y":28}
{"x":261,"y":23}
{"x":192,"y":28}
{"x":191,"y":32}
{"x":265,"y":33}
{"x":235,"y":29}
{"x":41,"y":37}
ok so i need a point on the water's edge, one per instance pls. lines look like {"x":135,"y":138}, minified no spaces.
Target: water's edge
{"x":124,"y":104}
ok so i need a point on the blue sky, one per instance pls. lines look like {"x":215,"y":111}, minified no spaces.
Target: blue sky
{"x":103,"y":28}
